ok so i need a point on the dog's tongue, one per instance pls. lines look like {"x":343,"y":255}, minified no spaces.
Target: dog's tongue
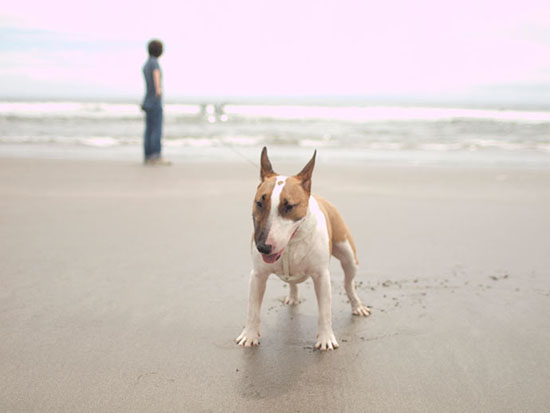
{"x":270,"y":259}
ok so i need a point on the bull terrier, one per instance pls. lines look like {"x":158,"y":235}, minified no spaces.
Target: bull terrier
{"x":295,"y":234}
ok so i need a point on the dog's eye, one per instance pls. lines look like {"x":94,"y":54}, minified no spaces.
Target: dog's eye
{"x":287,"y":206}
{"x":260,"y":203}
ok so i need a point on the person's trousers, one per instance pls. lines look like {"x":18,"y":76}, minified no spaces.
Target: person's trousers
{"x":153,"y":132}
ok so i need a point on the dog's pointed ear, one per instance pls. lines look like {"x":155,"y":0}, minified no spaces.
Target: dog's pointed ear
{"x":266,"y":170}
{"x":305,"y":174}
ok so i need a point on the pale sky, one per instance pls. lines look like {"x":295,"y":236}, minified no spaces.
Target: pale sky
{"x":434,"y":49}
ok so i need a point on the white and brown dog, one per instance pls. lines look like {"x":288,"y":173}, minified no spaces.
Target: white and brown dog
{"x":295,"y":234}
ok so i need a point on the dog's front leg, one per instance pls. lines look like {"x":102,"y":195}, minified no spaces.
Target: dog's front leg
{"x":251,"y":333}
{"x":325,"y":335}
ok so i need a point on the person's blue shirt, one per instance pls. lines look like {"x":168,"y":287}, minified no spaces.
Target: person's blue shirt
{"x":151,"y":99}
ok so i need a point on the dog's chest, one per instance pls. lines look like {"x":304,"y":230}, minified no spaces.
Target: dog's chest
{"x":293,"y":264}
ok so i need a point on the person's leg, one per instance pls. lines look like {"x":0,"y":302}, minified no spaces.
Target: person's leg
{"x":156,"y":133}
{"x":147,"y":138}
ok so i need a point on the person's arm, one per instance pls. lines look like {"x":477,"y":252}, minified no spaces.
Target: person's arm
{"x":156,"y":81}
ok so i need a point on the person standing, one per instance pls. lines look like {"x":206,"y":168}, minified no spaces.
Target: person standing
{"x":152,"y":105}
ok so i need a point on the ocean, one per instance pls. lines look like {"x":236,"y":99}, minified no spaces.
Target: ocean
{"x":354,"y":133}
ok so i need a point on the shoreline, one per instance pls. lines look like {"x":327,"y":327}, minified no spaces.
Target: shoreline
{"x":248,"y":154}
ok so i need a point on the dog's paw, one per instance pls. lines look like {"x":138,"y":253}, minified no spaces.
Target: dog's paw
{"x":248,"y":338}
{"x":291,"y":300}
{"x":360,"y":310}
{"x":326,"y":341}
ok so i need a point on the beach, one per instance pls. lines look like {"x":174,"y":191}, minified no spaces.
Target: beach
{"x":123,"y":288}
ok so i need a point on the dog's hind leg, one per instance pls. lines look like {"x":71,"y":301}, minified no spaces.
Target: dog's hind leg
{"x":292,"y":298}
{"x":343,"y":251}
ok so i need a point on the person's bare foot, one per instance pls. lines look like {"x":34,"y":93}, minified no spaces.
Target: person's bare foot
{"x":157,"y":161}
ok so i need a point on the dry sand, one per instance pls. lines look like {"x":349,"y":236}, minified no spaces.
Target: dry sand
{"x":122,"y":288}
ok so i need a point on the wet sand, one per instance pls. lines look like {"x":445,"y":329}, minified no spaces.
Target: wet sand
{"x":122,"y":288}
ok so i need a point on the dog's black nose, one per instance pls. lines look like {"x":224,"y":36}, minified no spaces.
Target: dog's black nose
{"x":263,"y":248}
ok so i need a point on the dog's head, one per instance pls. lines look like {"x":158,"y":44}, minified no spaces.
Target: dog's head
{"x":280,"y":206}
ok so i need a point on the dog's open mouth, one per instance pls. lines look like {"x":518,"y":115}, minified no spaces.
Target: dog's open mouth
{"x":270,"y":259}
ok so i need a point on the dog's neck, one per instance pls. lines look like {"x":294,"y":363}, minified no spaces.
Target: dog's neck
{"x":305,"y":228}
{"x":304,"y":233}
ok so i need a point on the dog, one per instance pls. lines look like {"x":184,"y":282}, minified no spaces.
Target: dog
{"x":295,"y":234}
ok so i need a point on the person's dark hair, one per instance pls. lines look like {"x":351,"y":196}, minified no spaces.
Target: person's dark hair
{"x":155,"y":48}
